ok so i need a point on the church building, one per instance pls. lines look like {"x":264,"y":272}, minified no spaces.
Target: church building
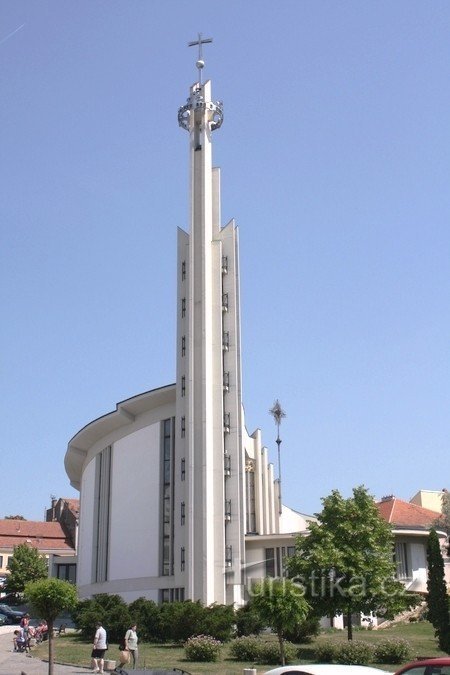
{"x":205,"y":513}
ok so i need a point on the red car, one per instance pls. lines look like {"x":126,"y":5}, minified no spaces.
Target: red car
{"x":440,"y":666}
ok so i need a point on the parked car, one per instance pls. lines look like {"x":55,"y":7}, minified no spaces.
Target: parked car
{"x":12,"y":614}
{"x":4,"y":621}
{"x":439,"y":666}
{"x":325,"y":669}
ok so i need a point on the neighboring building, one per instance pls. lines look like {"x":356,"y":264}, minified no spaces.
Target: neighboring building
{"x":177,"y":500}
{"x":411,"y":525}
{"x":429,"y":499}
{"x":48,"y":538}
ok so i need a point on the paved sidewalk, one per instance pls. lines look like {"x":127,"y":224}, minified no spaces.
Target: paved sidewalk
{"x":17,"y":663}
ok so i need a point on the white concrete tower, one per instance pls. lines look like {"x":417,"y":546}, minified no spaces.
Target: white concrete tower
{"x":208,"y":436}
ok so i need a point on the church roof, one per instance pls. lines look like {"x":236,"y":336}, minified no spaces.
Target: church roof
{"x":406,"y":515}
{"x":124,"y":415}
{"x":41,"y":535}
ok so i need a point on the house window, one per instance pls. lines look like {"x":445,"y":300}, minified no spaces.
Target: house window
{"x":183,"y":513}
{"x":182,"y":559}
{"x":228,"y":556}
{"x":224,"y":264}
{"x":183,"y":469}
{"x":67,"y":572}
{"x":402,"y":560}
{"x":183,"y":308}
{"x":183,"y":346}
{"x":1,"y":561}
{"x":270,"y":562}
{"x":183,"y":427}
{"x":183,"y":270}
{"x":183,"y":385}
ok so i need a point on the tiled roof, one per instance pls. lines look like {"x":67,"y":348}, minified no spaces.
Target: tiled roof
{"x":41,"y":535}
{"x":73,"y":504}
{"x":404,"y":514}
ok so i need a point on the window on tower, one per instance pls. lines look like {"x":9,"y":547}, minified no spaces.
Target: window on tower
{"x":183,"y":346}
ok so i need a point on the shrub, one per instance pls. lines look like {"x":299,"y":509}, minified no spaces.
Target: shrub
{"x":396,"y":650}
{"x":246,"y":648}
{"x":202,"y":648}
{"x":218,"y":621}
{"x":179,"y":620}
{"x":354,"y":653}
{"x":270,"y":652}
{"x":248,"y":621}
{"x":111,"y":610}
{"x":325,"y":652}
{"x":304,"y":631}
{"x":146,"y":614}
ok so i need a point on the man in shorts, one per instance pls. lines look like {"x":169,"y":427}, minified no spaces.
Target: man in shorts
{"x":100,"y":647}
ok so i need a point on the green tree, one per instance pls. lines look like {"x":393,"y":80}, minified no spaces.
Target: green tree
{"x":14,"y":518}
{"x":26,"y":564}
{"x":438,"y":601}
{"x":345,"y":564}
{"x":443,"y":522}
{"x":50,"y":597}
{"x":281,"y":605}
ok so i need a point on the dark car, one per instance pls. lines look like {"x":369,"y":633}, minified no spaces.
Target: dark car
{"x":12,"y":614}
{"x":439,"y":666}
{"x":4,"y":621}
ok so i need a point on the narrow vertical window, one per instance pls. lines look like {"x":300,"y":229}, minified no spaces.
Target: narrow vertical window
{"x":183,"y":270}
{"x":183,"y":346}
{"x":102,"y":515}
{"x":183,"y":385}
{"x":183,"y":513}
{"x":167,"y":450}
{"x":183,"y":307}
{"x":183,"y":469}
{"x":182,"y":559}
{"x":183,"y":427}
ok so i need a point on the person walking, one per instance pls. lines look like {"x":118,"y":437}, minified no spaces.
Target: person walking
{"x":131,"y":643}
{"x":100,"y":647}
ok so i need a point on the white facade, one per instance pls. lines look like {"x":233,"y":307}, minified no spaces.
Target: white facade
{"x":177,"y":500}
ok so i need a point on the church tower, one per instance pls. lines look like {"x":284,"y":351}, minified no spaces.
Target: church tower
{"x":208,"y":434}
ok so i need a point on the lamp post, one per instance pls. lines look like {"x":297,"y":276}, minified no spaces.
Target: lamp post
{"x":278,"y":413}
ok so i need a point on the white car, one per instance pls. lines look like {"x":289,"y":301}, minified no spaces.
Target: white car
{"x":324,"y":669}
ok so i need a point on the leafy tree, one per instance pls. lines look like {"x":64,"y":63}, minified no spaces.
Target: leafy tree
{"x":26,"y":564}
{"x":345,"y":564}
{"x":14,"y":518}
{"x":438,"y":601}
{"x":280,"y":605}
{"x":50,"y":597}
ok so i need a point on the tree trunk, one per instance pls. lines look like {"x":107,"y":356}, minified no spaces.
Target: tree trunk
{"x":349,"y":625}
{"x":51,"y":655}
{"x":281,"y":643}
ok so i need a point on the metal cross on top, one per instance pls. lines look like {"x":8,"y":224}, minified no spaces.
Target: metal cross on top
{"x":200,"y":63}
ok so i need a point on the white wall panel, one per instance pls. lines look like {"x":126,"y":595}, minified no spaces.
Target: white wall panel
{"x":135,"y":505}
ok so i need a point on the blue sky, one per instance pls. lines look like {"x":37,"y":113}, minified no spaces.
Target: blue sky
{"x":335,"y":157}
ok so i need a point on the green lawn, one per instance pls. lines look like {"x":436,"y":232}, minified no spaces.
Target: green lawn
{"x":71,"y":649}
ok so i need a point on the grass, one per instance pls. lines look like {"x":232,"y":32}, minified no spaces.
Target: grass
{"x":72,"y":649}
